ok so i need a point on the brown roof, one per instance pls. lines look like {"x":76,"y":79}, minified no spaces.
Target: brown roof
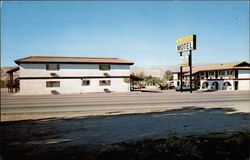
{"x":88,"y":60}
{"x":13,"y":70}
{"x":136,"y":78}
{"x":216,"y":67}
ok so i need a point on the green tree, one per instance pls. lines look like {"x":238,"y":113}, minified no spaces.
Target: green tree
{"x":150,"y":80}
{"x":141,"y":74}
{"x":168,"y":75}
{"x":3,"y":83}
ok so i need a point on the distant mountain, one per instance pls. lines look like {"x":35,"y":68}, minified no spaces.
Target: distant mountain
{"x":155,"y":71}
{"x":146,"y":71}
{"x":158,"y":71}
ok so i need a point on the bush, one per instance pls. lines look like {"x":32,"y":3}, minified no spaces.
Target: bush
{"x":3,"y":84}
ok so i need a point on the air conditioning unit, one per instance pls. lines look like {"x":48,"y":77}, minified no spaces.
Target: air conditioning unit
{"x":106,"y":90}
{"x":106,"y":74}
{"x":55,"y":92}
{"x":54,"y":74}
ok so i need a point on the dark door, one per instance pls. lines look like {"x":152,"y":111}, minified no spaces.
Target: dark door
{"x":216,"y":85}
{"x":236,"y":74}
{"x":236,"y":85}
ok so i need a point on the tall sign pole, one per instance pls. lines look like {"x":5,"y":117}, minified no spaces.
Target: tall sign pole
{"x":184,"y":44}
{"x":181,"y":72}
{"x":190,"y":64}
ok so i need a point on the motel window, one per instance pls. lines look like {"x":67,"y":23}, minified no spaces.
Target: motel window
{"x":221,"y":72}
{"x":104,"y":67}
{"x":85,"y":82}
{"x":105,"y":82}
{"x":50,"y":84}
{"x":52,"y":67}
{"x":230,"y":72}
{"x":211,"y":73}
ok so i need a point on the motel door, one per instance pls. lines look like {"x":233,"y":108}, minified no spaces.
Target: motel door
{"x":236,"y":85}
{"x":216,"y":85}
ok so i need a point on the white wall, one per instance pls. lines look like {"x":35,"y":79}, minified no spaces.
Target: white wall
{"x":244,"y":84}
{"x":244,"y":74}
{"x":175,"y":76}
{"x":39,"y":70}
{"x":38,"y":86}
{"x":175,"y":79}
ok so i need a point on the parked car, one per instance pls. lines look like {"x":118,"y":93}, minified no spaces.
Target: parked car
{"x":185,"y":88}
{"x":166,"y":86}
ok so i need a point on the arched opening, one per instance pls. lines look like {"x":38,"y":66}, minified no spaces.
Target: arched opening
{"x":178,"y":83}
{"x":198,"y":84}
{"x":204,"y":85}
{"x":226,"y":86}
{"x":215,"y":85}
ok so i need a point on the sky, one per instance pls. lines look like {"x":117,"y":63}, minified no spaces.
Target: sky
{"x":140,"y":31}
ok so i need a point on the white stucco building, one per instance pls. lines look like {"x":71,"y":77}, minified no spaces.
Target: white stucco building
{"x":57,"y":75}
{"x":223,"y":76}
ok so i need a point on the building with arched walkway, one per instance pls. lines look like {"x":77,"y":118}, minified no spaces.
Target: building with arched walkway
{"x":224,"y":76}
{"x":217,"y":85}
{"x":227,"y":86}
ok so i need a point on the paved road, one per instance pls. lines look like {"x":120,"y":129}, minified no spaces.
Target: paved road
{"x":45,"y":106}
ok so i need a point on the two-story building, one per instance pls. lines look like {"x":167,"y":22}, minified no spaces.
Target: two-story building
{"x":222,"y":76}
{"x":56,"y":75}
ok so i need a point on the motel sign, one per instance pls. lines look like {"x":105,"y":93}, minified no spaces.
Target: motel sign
{"x":187,"y":43}
{"x":184,"y":44}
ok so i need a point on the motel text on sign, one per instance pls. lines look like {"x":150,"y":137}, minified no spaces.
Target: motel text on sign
{"x":186,"y":43}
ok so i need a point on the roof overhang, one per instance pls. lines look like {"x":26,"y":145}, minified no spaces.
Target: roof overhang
{"x":73,"y":60}
{"x":136,"y":78}
{"x":13,"y":70}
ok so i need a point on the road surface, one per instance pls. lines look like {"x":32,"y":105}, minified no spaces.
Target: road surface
{"x":16,"y":107}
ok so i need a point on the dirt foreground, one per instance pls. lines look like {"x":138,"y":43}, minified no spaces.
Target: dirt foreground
{"x":85,"y":138}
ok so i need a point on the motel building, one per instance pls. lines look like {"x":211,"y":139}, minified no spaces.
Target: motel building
{"x":57,"y":75}
{"x":224,"y":76}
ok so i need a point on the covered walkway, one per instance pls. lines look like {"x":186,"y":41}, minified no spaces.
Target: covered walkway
{"x":135,"y":82}
{"x":13,"y":84}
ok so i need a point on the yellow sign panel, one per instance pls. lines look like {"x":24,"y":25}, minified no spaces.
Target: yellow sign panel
{"x":187,"y":43}
{"x":126,"y":79}
{"x":185,"y":39}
